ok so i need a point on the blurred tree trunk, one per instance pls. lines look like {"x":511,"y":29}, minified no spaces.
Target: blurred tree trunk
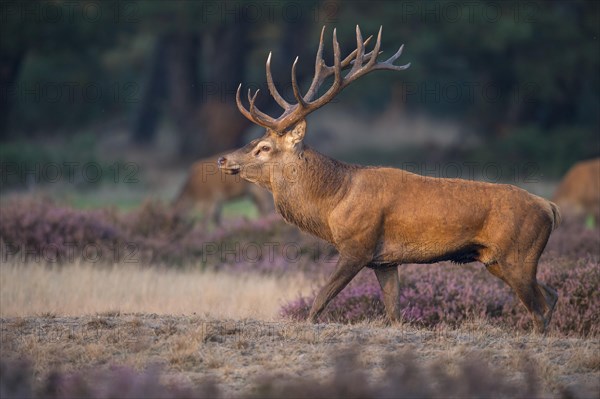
{"x":147,"y":114}
{"x":201,"y":103}
{"x":183,"y":53}
{"x":203,"y":110}
{"x":294,"y":39}
{"x":10,"y":64}
{"x":218,"y":121}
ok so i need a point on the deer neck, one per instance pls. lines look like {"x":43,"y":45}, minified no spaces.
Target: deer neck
{"x":308,"y":189}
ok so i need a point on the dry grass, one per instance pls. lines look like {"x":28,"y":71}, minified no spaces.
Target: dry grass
{"x":75,"y":290}
{"x":235,"y":353}
{"x":198,"y":324}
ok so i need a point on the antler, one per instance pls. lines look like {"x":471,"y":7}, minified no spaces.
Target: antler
{"x":293,"y":113}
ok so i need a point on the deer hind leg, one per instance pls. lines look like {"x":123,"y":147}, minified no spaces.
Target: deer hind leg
{"x":390,"y":287}
{"x":537,"y":298}
{"x":551,"y":297}
{"x":345,"y":271}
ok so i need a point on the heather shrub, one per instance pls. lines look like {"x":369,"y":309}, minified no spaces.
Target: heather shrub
{"x":404,"y":378}
{"x":451,"y":294}
{"x":573,"y":239}
{"x":40,"y":231}
{"x":44,"y":232}
{"x":154,"y":219}
{"x":430,"y":294}
{"x":115,"y":382}
{"x":578,"y":284}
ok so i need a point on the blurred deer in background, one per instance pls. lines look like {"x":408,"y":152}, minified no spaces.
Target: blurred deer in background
{"x":579,"y":191}
{"x":381,"y":217}
{"x":207,"y":189}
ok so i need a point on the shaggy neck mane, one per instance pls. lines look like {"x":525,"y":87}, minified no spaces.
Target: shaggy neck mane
{"x":306,"y":196}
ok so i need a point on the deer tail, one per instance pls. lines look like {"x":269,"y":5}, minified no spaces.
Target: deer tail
{"x":556,"y":216}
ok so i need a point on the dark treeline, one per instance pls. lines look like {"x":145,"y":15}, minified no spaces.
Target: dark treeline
{"x":522,"y":73}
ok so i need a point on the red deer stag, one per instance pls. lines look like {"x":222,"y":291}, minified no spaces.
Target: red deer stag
{"x":207,"y":189}
{"x":381,"y":217}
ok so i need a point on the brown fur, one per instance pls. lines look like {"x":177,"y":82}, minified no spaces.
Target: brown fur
{"x":579,"y":191}
{"x":207,"y":189}
{"x":381,"y":217}
{"x":378,"y":216}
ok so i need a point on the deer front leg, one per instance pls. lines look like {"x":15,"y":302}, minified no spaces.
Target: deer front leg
{"x":262,"y":200}
{"x":213,"y":212}
{"x":345,"y":271}
{"x":390,"y":287}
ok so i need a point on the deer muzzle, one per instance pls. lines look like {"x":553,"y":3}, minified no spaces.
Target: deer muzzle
{"x":227,"y":166}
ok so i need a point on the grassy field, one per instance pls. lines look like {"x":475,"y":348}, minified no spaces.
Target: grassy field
{"x":81,"y":289}
{"x":203,"y":324}
{"x":238,"y":353}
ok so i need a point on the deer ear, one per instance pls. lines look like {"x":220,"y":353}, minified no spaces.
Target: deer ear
{"x":296,"y":134}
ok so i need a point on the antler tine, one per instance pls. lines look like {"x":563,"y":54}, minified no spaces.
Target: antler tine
{"x":338,"y":79}
{"x":375,"y":50}
{"x":337,"y":62}
{"x":254,"y":115}
{"x":272,"y":89}
{"x":257,"y":113}
{"x":373,"y":65}
{"x":295,"y":87}
{"x":365,"y":57}
{"x":319,"y":63}
{"x":389,"y":63}
{"x":396,"y":55}
{"x":337,"y":82}
{"x":360,"y":52}
{"x":240,"y":106}
{"x":351,"y":57}
{"x":251,"y":100}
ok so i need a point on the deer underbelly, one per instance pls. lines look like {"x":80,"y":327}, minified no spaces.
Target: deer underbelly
{"x":428,"y":253}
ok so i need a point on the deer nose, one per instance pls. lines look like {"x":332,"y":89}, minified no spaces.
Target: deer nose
{"x":221,"y":161}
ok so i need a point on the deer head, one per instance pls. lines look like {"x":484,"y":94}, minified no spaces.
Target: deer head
{"x":263,"y":159}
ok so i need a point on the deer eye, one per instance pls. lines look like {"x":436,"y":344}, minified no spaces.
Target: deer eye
{"x":265,"y":148}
